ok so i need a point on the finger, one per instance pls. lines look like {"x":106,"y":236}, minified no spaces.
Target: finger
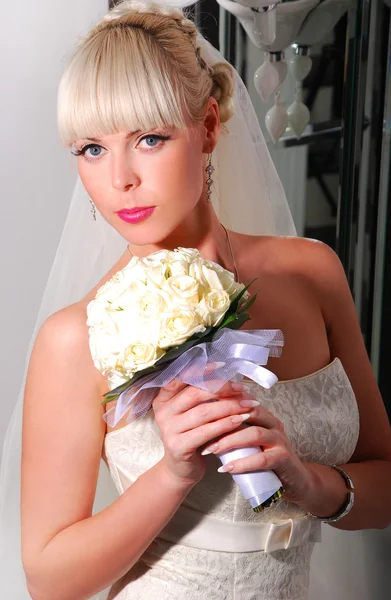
{"x":273,"y":458}
{"x":206,"y":412}
{"x":192,"y":396}
{"x":209,"y":369}
{"x":168,"y":391}
{"x":264,"y":418}
{"x":199,"y":436}
{"x":246,"y":436}
{"x":172,"y":388}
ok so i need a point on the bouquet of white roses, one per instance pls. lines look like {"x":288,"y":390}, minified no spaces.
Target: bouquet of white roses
{"x":156,"y":303}
{"x":169,"y":310}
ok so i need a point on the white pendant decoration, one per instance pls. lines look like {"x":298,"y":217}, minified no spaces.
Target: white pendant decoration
{"x":270,"y":75}
{"x":299,"y":62}
{"x":298,"y":115}
{"x":265,"y":21}
{"x":276,"y":120}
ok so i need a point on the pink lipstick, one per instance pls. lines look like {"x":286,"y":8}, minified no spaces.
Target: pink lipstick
{"x":134,"y":215}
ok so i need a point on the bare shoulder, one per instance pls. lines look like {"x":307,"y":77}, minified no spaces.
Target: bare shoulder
{"x":309,"y":264}
{"x":300,"y":255}
{"x":63,"y":338}
{"x":294,"y":278}
{"x":65,"y":330}
{"x":309,"y":260}
{"x":63,"y":342}
{"x":67,"y":326}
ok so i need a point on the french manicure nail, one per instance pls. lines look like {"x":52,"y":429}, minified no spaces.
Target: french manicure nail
{"x":209,"y":449}
{"x":240,"y":418}
{"x":225,"y":468}
{"x":237,"y":386}
{"x":249,"y":403}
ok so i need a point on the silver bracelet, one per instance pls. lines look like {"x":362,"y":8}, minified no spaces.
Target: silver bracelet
{"x":347,"y":506}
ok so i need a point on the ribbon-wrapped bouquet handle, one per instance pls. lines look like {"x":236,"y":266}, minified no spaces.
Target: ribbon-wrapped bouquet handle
{"x":181,"y":287}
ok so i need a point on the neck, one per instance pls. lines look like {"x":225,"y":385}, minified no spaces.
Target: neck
{"x":201,"y":230}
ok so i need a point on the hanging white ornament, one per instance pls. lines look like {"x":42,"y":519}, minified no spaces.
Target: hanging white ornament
{"x":298,"y":114}
{"x":299,"y":63}
{"x":270,"y":75}
{"x":276,"y":119}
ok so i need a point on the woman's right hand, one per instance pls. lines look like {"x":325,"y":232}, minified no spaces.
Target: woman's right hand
{"x":188,"y":419}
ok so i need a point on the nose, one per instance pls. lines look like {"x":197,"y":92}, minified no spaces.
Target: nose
{"x":123,"y":175}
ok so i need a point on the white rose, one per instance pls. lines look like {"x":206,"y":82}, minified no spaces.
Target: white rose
{"x":159,"y":256}
{"x":97,"y":316}
{"x":213,"y":307}
{"x":151,"y":304}
{"x":180,"y":326}
{"x":105,"y":350}
{"x":145,"y":302}
{"x":139,"y":356}
{"x":187,"y":254}
{"x":212,"y":278}
{"x":183,"y":289}
{"x":113,"y":288}
{"x":227,"y":280}
{"x":178,"y":267}
{"x":130,"y":327}
{"x":116,"y":378}
{"x":196,"y":270}
{"x":151,"y":272}
{"x":136,"y":273}
{"x":157,"y":275}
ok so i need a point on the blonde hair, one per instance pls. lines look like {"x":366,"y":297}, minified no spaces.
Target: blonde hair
{"x":139,"y":68}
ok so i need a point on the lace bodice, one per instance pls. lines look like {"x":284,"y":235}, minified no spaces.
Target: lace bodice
{"x":321,"y":420}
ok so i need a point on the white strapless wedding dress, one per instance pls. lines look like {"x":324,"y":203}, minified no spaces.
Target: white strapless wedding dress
{"x":216,"y":547}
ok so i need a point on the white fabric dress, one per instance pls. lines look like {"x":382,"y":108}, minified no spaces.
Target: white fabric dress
{"x":215,"y":547}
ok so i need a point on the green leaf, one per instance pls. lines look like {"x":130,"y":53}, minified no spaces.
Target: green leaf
{"x":107,"y":400}
{"x":231,"y":317}
{"x":247,"y":305}
{"x":118,"y":390}
{"x":237,"y":323}
{"x":235,"y":302}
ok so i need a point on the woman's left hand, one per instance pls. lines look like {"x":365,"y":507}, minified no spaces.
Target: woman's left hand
{"x":267,"y":432}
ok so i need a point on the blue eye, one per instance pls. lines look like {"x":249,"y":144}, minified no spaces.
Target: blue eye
{"x":155,"y":139}
{"x":94,"y":149}
{"x":151,"y":138}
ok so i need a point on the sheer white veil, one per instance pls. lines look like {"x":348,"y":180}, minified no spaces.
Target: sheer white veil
{"x":247,"y":196}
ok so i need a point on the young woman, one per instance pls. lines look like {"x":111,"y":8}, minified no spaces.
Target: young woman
{"x":143,"y":112}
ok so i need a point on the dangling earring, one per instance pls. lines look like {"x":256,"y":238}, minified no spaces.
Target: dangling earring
{"x":209,"y":169}
{"x":93,"y":210}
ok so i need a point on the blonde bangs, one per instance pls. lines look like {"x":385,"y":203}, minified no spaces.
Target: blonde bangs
{"x":118,"y":81}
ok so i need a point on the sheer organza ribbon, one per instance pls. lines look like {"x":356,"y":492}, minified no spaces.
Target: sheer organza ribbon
{"x":231,"y":355}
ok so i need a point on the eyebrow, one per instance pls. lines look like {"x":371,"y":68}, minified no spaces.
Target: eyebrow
{"x":127,"y":136}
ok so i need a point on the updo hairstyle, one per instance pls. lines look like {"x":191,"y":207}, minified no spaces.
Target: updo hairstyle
{"x":139,"y":68}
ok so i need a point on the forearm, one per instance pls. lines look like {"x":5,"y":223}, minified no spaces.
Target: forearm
{"x":92,"y":554}
{"x":372,"y":498}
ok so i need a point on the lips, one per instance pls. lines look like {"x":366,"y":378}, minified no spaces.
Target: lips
{"x":134,"y":215}
{"x":130,"y":211}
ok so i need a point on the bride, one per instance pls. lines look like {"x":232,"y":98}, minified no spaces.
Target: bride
{"x":147,"y":105}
